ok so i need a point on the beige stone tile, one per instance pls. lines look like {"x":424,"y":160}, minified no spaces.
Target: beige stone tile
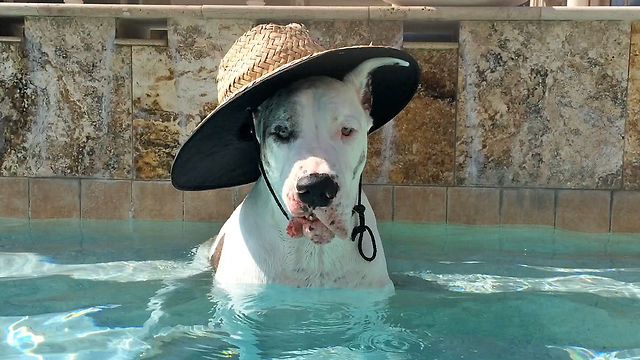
{"x":211,"y":205}
{"x":54,"y":198}
{"x":341,"y":33}
{"x":416,"y":148}
{"x":625,"y":215}
{"x":14,"y":198}
{"x":473,"y":206}
{"x":156,"y":129}
{"x":241,"y":193}
{"x":527,"y":207}
{"x":106,"y":199}
{"x":583,"y":210}
{"x":523,"y":119}
{"x":156,"y":200}
{"x":81,"y":117}
{"x":632,"y":134}
{"x":196,"y":47}
{"x":420,"y":204}
{"x":18,"y":108}
{"x":381,"y":200}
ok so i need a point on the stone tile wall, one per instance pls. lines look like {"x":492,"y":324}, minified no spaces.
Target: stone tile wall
{"x":523,"y":123}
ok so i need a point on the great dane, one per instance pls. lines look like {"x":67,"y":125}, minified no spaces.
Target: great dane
{"x":312,"y":137}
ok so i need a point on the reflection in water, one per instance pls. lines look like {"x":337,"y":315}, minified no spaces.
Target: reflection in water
{"x":578,"y":353}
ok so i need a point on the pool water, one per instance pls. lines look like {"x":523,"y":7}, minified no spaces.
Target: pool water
{"x":134,"y":290}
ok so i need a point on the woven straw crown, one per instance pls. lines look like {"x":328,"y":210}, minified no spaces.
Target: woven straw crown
{"x":260,"y":51}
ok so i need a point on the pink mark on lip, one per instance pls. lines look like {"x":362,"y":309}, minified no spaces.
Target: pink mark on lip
{"x":314,"y":230}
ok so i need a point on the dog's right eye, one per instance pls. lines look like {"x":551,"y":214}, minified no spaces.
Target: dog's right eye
{"x":281,"y":132}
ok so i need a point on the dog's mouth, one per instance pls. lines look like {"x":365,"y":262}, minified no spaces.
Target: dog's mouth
{"x":320,"y":226}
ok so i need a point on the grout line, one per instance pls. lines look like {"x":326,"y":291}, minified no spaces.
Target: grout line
{"x":446,"y":205}
{"x":131,"y":202}
{"x":80,"y":184}
{"x":500,"y":202}
{"x":611,"y":195}
{"x":627,"y":112}
{"x":29,"y":199}
{"x":133,"y":136}
{"x":393,"y":203}
{"x":555,"y":208}
{"x":456,"y":110}
{"x":131,"y":114}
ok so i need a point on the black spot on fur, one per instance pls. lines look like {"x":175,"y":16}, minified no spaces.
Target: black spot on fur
{"x":277,"y":118}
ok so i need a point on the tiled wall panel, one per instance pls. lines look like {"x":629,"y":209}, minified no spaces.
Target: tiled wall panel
{"x":632,"y":138}
{"x":416,"y":148}
{"x":69,"y":109}
{"x":542,"y":104}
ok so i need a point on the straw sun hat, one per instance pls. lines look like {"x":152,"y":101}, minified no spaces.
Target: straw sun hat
{"x":222,"y":151}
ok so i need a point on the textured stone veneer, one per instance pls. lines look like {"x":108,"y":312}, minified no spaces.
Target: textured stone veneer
{"x":542,"y":104}
{"x":68,"y":112}
{"x":525,"y":123}
{"x":632,"y":139}
{"x":417,"y":146}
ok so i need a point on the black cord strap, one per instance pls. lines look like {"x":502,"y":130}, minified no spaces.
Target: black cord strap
{"x":361,"y":228}
{"x":273,"y":193}
{"x":262,"y":172}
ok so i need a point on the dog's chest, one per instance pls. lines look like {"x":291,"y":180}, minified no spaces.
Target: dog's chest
{"x":331,"y":265}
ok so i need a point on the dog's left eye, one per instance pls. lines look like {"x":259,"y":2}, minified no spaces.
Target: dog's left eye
{"x":281,"y":132}
{"x":347,"y":131}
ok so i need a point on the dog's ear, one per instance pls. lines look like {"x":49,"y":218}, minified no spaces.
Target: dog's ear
{"x":360,"y":78}
{"x":255,"y":115}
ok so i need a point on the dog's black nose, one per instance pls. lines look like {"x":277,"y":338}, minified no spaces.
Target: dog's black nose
{"x":317,"y":190}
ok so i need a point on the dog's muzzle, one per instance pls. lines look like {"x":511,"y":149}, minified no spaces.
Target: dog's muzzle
{"x":317,"y":190}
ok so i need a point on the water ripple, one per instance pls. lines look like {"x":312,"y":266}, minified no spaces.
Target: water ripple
{"x":390,"y":341}
{"x":487,"y":284}
{"x":30,"y":265}
{"x":577,"y":270}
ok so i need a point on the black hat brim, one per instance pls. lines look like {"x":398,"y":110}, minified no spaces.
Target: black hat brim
{"x":222,"y":152}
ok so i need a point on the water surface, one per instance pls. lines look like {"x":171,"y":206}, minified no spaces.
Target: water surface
{"x":130,"y":290}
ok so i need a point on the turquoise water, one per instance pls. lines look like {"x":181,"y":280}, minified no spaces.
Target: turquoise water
{"x":130,"y":290}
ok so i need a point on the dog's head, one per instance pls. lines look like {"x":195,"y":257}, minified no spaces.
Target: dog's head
{"x":313,"y":140}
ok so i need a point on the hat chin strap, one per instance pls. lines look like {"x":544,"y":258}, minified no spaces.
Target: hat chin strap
{"x":357,"y":232}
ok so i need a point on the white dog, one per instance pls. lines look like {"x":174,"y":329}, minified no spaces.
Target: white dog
{"x":313,"y":142}
{"x":294,"y":118}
